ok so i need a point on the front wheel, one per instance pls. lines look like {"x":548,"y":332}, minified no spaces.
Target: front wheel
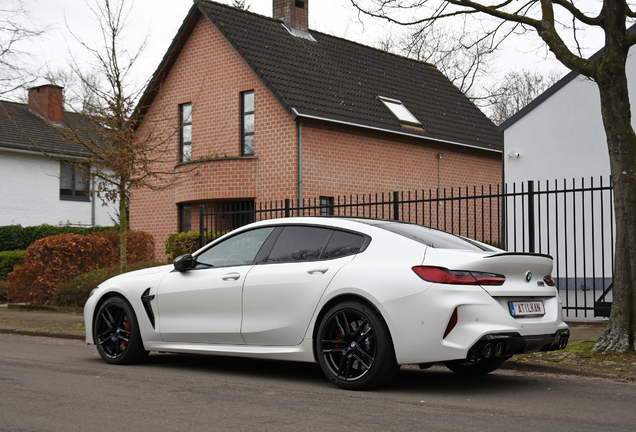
{"x":354,"y":347}
{"x":479,"y":367}
{"x":116,"y":333}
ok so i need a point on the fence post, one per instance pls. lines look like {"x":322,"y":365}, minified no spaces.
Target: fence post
{"x":201,"y":226}
{"x":531,"y":215}
{"x":287,"y":207}
{"x":396,"y":206}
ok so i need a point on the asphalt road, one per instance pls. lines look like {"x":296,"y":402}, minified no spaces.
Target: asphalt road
{"x":62,"y":385}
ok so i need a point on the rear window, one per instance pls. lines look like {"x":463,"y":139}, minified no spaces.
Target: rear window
{"x":431,"y":237}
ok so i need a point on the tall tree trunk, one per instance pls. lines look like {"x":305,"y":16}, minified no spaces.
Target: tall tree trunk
{"x":621,"y":141}
{"x":123,"y":227}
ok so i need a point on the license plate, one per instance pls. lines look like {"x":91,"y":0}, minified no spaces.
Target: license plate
{"x":526,"y":308}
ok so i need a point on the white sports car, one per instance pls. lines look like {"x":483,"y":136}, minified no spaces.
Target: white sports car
{"x":358,"y":296}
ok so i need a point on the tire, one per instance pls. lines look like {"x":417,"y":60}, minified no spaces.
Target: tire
{"x":473,"y":368}
{"x":116,"y":333}
{"x":354,"y":347}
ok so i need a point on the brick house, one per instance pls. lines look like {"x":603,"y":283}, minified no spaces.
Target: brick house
{"x":36,"y":189}
{"x":271,"y":110}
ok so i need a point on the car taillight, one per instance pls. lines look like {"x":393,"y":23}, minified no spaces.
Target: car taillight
{"x":456,"y":277}
{"x":548,"y":280}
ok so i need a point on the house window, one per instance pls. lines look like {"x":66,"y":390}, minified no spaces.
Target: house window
{"x":185,"y":217}
{"x":398,"y":109}
{"x":326,"y":206}
{"x":185,"y":140}
{"x":74,"y":183}
{"x":247,"y":123}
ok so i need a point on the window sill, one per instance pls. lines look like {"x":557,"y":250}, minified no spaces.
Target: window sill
{"x":72,"y":198}
{"x":218,"y":159}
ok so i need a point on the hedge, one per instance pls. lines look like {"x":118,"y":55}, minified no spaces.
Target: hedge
{"x":187,"y":243}
{"x":16,"y":237}
{"x":54,"y":260}
{"x":9,"y":260}
{"x":75,"y":292}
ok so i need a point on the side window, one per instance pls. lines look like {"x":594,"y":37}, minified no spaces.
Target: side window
{"x":342,"y":244}
{"x":185,"y":217}
{"x":185,"y":137}
{"x":247,"y":123}
{"x":74,"y":184}
{"x":326,"y":206}
{"x":298,"y":243}
{"x":238,"y":250}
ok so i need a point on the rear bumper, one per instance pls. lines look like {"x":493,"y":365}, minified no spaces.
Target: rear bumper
{"x":508,"y":344}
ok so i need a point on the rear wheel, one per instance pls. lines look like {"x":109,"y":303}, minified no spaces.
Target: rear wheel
{"x":478,"y":367}
{"x":354,"y":347}
{"x":116,"y":333}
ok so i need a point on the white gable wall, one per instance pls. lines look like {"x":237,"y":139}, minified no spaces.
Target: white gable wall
{"x":562,"y":141}
{"x":30,"y":195}
{"x":563,"y":137}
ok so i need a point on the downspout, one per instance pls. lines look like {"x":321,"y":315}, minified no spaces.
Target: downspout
{"x":92,"y":202}
{"x":300,"y":164}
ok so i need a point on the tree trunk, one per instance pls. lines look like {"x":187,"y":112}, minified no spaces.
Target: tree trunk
{"x":123,"y":228}
{"x":621,"y":141}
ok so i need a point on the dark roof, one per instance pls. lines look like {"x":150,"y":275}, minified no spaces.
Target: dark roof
{"x":339,"y":81}
{"x":22,"y":129}
{"x":551,"y":90}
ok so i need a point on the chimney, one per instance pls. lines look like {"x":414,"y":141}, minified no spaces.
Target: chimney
{"x":294,"y":13}
{"x":46,"y":101}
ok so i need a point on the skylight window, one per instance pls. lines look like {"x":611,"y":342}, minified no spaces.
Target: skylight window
{"x":398,"y":109}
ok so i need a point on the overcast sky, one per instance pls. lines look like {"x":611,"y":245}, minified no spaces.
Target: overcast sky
{"x":160,"y":20}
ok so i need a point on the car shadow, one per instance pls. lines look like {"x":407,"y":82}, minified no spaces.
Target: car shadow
{"x":410,"y":379}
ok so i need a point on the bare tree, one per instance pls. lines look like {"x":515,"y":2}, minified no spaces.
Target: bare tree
{"x":516,"y":90}
{"x":240,"y":4}
{"x":558,"y":25}
{"x":465,"y":57}
{"x":15,"y":27}
{"x":120,"y":158}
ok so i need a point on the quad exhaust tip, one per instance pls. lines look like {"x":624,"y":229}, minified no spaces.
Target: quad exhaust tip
{"x":493,"y":350}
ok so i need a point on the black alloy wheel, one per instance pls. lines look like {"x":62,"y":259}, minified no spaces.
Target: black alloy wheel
{"x":354,"y":347}
{"x":116,"y":333}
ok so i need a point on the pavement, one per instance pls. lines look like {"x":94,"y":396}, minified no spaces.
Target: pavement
{"x":69,"y":323}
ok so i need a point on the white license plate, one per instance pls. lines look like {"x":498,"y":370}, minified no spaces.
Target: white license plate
{"x":526,"y":308}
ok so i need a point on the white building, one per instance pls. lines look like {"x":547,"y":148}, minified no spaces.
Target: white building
{"x":36,"y":189}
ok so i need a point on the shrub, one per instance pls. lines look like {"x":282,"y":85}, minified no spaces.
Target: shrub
{"x":16,"y":237}
{"x":9,"y":260}
{"x":140,"y":245}
{"x":3,"y":291}
{"x":75,"y":292}
{"x":187,"y":243}
{"x":54,"y":260}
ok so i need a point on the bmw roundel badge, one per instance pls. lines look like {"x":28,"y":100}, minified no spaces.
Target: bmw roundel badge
{"x":528,"y":276}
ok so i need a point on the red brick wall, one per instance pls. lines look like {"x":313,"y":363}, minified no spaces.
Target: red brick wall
{"x":340,"y":160}
{"x":337,"y":160}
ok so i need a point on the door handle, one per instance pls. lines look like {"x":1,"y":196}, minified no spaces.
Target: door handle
{"x":233,"y":276}
{"x":320,"y":270}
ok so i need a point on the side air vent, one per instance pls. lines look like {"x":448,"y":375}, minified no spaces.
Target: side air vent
{"x":146,"y":298}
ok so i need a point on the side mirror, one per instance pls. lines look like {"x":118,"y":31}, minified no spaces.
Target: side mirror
{"x":184,"y":263}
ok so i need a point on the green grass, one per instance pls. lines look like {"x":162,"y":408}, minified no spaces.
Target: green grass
{"x":585,"y":349}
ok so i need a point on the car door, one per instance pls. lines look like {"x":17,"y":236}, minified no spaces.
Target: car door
{"x":203,"y":305}
{"x":281,"y":293}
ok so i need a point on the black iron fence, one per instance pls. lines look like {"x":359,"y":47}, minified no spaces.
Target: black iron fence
{"x":573,"y":222}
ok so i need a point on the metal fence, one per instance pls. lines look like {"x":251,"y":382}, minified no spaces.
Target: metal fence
{"x":572,"y":222}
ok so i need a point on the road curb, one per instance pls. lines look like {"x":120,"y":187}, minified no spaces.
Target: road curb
{"x":569,"y":369}
{"x":43,"y":334}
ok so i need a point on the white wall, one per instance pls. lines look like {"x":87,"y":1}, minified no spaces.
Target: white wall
{"x":30,"y":195}
{"x":563,"y":137}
